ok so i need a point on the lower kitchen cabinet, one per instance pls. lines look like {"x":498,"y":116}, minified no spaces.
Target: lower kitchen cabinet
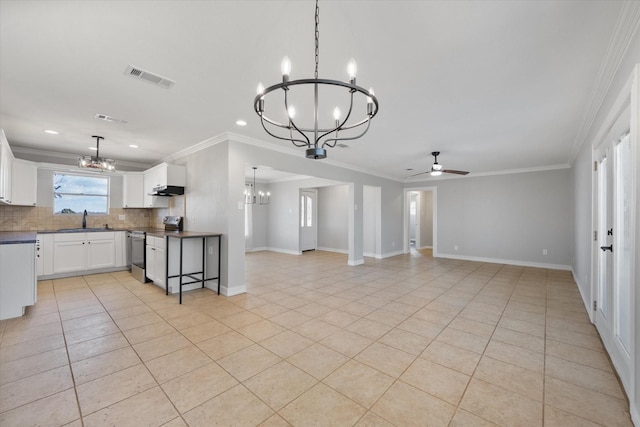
{"x":83,"y":251}
{"x":156,"y":260}
{"x":18,"y":285}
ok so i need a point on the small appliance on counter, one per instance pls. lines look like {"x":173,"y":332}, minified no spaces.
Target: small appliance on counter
{"x":173,"y":223}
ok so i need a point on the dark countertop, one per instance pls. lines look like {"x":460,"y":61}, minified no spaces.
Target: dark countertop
{"x":12,"y":237}
{"x":83,"y":230}
{"x":182,"y":234}
{"x":17,"y":237}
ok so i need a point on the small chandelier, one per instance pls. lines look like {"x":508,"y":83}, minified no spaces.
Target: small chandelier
{"x":313,"y":137}
{"x":250,"y":193}
{"x":97,"y":162}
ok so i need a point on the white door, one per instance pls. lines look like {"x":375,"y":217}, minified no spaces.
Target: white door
{"x":308,"y":223}
{"x":614,"y":309}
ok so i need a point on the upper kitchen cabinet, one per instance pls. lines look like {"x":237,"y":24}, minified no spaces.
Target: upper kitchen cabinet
{"x":133,"y":190}
{"x":6,"y":163}
{"x":24,"y":182}
{"x":18,"y":178}
{"x":160,"y":178}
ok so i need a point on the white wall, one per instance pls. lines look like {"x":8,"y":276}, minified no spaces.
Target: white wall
{"x":506,"y":218}
{"x":208,"y":209}
{"x":582,"y":175}
{"x":426,"y":219}
{"x":333,"y":218}
{"x":371,"y":221}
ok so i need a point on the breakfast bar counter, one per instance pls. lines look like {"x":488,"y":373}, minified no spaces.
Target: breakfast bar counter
{"x":188,"y":277}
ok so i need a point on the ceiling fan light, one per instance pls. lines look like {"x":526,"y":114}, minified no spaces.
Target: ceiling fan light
{"x":436,"y":167}
{"x":436,"y":173}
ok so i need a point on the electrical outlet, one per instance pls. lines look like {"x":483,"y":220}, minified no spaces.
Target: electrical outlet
{"x":210,"y":250}
{"x":121,"y":217}
{"x":544,"y":252}
{"x":455,"y":247}
{"x":193,"y":220}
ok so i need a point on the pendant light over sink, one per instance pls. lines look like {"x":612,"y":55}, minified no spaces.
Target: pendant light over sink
{"x":314,"y":136}
{"x":97,"y":162}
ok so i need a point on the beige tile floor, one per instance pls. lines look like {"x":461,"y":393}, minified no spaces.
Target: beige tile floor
{"x":409,"y":340}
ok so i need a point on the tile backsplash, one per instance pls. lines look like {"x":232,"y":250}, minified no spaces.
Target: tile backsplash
{"x":41,"y":218}
{"x":37,"y":218}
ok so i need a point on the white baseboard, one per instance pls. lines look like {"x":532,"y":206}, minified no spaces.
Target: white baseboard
{"x":256,"y":249}
{"x":635,"y":413}
{"x":233,"y":290}
{"x":506,"y":261}
{"x":425,"y":247}
{"x":355,"y":262}
{"x":390,"y":254}
{"x":585,"y":298}
{"x":283,"y":251}
{"x":82,"y":273}
{"x":338,"y":251}
{"x":372,"y":255}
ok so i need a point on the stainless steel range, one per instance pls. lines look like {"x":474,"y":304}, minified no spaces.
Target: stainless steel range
{"x":138,"y":242}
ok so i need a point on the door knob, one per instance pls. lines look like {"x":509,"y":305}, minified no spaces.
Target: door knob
{"x":607,"y":248}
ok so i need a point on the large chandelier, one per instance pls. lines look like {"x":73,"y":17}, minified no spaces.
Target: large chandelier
{"x":97,"y":162}
{"x":314,"y":137}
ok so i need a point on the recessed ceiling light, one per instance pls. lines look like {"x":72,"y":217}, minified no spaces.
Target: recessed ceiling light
{"x":133,"y":146}
{"x":409,"y":169}
{"x":241,"y":123}
{"x":93,"y":148}
{"x":52,"y":132}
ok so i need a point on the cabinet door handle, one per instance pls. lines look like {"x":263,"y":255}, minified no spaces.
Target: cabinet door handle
{"x":607,"y":248}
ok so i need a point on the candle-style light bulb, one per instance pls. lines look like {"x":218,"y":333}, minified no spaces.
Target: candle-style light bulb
{"x":291,"y":111}
{"x":352,"y":69}
{"x":336,"y":114}
{"x":285,"y":67}
{"x":260,"y":90}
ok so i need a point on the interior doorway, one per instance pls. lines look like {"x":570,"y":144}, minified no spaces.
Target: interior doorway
{"x":420,"y":219}
{"x":613,"y":302}
{"x":308,"y":220}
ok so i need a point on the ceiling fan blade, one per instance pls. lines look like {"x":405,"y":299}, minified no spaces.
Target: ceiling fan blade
{"x":455,"y":171}
{"x":416,"y":174}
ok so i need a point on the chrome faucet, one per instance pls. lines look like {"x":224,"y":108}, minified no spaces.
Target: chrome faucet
{"x":84,"y":219}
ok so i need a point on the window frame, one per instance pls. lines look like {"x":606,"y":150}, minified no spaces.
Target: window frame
{"x":83,"y":175}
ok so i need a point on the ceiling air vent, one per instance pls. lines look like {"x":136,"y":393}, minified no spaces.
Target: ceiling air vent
{"x":110,"y":119}
{"x":158,"y":80}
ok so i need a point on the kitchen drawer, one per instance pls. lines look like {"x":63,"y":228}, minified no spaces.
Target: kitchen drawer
{"x":157,"y":242}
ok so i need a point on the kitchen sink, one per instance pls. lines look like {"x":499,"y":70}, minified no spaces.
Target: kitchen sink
{"x":81,"y":230}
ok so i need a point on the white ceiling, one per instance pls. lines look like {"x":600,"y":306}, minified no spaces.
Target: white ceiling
{"x":493,"y":85}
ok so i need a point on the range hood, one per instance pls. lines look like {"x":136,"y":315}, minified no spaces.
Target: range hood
{"x":167,"y":190}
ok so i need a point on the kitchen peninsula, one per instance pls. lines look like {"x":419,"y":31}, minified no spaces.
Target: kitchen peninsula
{"x":184,"y":268}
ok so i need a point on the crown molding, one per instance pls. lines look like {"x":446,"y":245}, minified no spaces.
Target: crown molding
{"x":626,"y":26}
{"x":490,"y":173}
{"x":68,"y":158}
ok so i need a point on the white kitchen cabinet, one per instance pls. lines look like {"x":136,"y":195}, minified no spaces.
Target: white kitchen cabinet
{"x":155,"y":264}
{"x":69,"y":253}
{"x":101,"y":250}
{"x":83,"y":251}
{"x":152,"y":177}
{"x":18,"y":284}
{"x":121,"y":243}
{"x":24,"y":180}
{"x":44,"y":254}
{"x":162,"y":175}
{"x":6,"y":164}
{"x":133,"y":190}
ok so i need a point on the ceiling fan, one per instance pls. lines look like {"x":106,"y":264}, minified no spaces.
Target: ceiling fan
{"x":438,"y":169}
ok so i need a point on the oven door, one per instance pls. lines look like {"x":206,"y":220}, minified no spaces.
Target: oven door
{"x":138,"y":249}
